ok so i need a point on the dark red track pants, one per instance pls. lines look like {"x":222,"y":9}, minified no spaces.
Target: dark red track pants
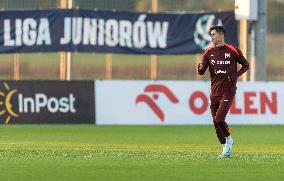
{"x":220,"y":106}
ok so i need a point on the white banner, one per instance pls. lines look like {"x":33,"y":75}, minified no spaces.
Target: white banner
{"x":184,"y":102}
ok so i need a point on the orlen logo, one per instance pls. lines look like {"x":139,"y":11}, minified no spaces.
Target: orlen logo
{"x":150,"y":100}
{"x":34,"y":104}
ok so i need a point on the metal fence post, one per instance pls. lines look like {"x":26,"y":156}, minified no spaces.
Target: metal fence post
{"x":66,"y":58}
{"x":69,"y":55}
{"x":260,"y":41}
{"x":252,"y":53}
{"x":243,"y":41}
{"x":16,"y":66}
{"x":154,"y":58}
{"x":108,"y":66}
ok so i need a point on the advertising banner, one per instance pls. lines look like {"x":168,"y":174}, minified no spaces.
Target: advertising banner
{"x":42,"y":102}
{"x":111,"y":31}
{"x":184,"y":102}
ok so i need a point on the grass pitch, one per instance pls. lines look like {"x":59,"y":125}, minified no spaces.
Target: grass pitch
{"x":87,"y":152}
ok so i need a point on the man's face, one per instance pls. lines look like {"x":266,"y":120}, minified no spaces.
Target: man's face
{"x":216,"y":37}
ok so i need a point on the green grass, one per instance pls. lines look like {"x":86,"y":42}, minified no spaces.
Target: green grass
{"x":88,"y":152}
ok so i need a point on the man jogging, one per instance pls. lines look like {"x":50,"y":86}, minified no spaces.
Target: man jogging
{"x":222,"y":59}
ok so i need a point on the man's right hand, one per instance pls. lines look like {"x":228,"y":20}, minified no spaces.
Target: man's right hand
{"x":200,"y":66}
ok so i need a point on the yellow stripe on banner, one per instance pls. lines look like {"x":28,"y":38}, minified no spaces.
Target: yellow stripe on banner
{"x":2,"y":93}
{"x":7,"y":119}
{"x":6,"y":86}
{"x":2,"y":112}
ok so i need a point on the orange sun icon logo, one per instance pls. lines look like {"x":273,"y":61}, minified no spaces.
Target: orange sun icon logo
{"x":7,"y":111}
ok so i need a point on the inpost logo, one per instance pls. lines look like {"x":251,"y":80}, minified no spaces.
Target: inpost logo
{"x":6,"y":109}
{"x":33,"y":104}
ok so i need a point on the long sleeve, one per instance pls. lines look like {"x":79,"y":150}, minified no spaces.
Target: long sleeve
{"x":245,"y":65}
{"x":202,"y":66}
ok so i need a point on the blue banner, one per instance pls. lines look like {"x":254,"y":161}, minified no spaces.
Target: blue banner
{"x":110,"y":31}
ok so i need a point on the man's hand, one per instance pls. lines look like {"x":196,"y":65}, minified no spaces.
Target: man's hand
{"x":200,"y":65}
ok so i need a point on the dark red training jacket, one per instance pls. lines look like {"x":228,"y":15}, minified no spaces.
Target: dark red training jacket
{"x":222,"y":62}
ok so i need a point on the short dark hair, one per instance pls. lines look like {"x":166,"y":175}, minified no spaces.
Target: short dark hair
{"x":219,"y":29}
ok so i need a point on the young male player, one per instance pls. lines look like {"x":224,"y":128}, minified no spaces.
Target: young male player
{"x":222,"y":59}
